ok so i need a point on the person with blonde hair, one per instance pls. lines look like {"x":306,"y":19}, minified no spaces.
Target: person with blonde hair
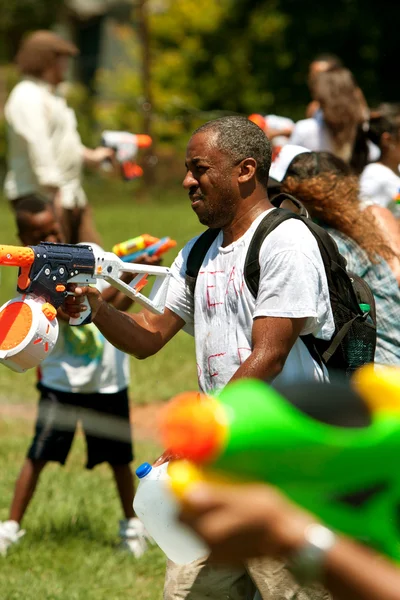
{"x":45,"y":151}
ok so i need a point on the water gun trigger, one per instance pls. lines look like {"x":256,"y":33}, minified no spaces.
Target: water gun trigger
{"x":24,"y":280}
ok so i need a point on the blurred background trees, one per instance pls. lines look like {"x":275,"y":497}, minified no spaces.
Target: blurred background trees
{"x":165,"y":66}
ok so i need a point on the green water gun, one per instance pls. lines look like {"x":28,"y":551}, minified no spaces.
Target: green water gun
{"x":332,"y":449}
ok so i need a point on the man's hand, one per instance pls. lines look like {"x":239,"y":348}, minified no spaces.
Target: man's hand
{"x":239,"y":522}
{"x":77,"y":303}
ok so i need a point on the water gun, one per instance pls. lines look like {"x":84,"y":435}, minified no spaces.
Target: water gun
{"x":332,"y":449}
{"x":28,"y":323}
{"x":134,"y":248}
{"x":126,"y":146}
{"x":267,"y":123}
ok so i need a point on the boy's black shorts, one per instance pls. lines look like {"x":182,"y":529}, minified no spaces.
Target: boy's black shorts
{"x":104,"y":419}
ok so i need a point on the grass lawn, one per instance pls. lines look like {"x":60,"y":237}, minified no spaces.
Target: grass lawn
{"x":69,"y":550}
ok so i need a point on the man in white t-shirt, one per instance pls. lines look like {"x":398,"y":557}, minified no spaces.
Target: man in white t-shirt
{"x":84,"y":379}
{"x":227,"y":162}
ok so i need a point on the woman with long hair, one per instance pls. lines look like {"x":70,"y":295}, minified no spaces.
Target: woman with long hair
{"x":342,"y":110}
{"x":329,"y":191}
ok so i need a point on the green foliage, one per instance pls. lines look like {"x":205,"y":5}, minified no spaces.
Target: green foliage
{"x":31,"y":13}
{"x":232,"y":56}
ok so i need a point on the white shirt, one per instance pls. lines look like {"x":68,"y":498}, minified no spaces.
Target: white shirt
{"x":314,"y":135}
{"x":379,"y":185}
{"x":293,"y":284}
{"x":44,"y":146}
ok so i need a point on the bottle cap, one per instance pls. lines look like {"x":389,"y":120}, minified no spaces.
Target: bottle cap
{"x":365,"y":307}
{"x":143,"y":470}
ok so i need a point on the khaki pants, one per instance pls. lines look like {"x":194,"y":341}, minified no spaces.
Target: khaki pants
{"x":201,"y":581}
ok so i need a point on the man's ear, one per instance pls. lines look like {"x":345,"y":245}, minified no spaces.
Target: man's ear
{"x":248,"y":168}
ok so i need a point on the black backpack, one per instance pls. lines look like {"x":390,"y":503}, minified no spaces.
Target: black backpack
{"x":354,"y":340}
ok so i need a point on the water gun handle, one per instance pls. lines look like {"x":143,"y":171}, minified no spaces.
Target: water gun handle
{"x":83,"y":319}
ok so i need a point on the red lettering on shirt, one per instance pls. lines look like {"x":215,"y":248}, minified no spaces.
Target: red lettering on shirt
{"x":212,"y":301}
{"x":241,"y":351}
{"x":210,"y":370}
{"x":231,"y":279}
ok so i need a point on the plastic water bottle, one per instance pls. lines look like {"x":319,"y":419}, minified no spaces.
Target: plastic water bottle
{"x":157,"y":508}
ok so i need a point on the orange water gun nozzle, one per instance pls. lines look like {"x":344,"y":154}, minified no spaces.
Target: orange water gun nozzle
{"x":18,"y":256}
{"x":258,"y":120}
{"x":193,"y":426}
{"x":168,"y":245}
{"x":143,"y":140}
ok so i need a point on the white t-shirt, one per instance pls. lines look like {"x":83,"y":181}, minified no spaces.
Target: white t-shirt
{"x":314,"y":135}
{"x":44,"y":146}
{"x":293,"y":284}
{"x":379,"y":185}
{"x":83,"y":361}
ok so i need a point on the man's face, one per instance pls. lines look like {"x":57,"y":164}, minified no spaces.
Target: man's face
{"x":210,"y":181}
{"x":59,"y":69}
{"x":41,"y":227}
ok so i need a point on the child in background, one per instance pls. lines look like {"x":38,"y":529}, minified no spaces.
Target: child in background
{"x":85,"y":378}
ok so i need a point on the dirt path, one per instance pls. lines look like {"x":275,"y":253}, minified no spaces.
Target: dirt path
{"x":143,"y":417}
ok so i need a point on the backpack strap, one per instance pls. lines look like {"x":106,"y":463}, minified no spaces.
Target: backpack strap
{"x":293,"y":204}
{"x":197,"y":255}
{"x":266,"y":226}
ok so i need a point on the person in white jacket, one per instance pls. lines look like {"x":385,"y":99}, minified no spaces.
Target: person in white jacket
{"x":45,"y":152}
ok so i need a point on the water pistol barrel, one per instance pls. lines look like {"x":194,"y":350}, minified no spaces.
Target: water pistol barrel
{"x":258,"y":120}
{"x":157,"y":249}
{"x":143,"y":140}
{"x":134,"y":244}
{"x":16,"y":256}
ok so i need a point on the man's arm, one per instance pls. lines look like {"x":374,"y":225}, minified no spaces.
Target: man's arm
{"x":141,"y":334}
{"x":272,"y":340}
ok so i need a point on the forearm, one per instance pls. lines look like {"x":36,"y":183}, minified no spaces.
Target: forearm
{"x":130,"y":333}
{"x":353,"y":572}
{"x":88,"y":157}
{"x":260,"y":365}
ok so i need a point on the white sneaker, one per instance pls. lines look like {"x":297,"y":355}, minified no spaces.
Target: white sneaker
{"x":134,"y":536}
{"x":10,"y":533}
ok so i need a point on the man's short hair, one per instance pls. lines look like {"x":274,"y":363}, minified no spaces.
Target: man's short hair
{"x":39,"y":50}
{"x":31,"y":205}
{"x":240,"y":138}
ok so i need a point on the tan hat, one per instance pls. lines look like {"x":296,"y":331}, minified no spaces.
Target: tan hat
{"x":39,"y":49}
